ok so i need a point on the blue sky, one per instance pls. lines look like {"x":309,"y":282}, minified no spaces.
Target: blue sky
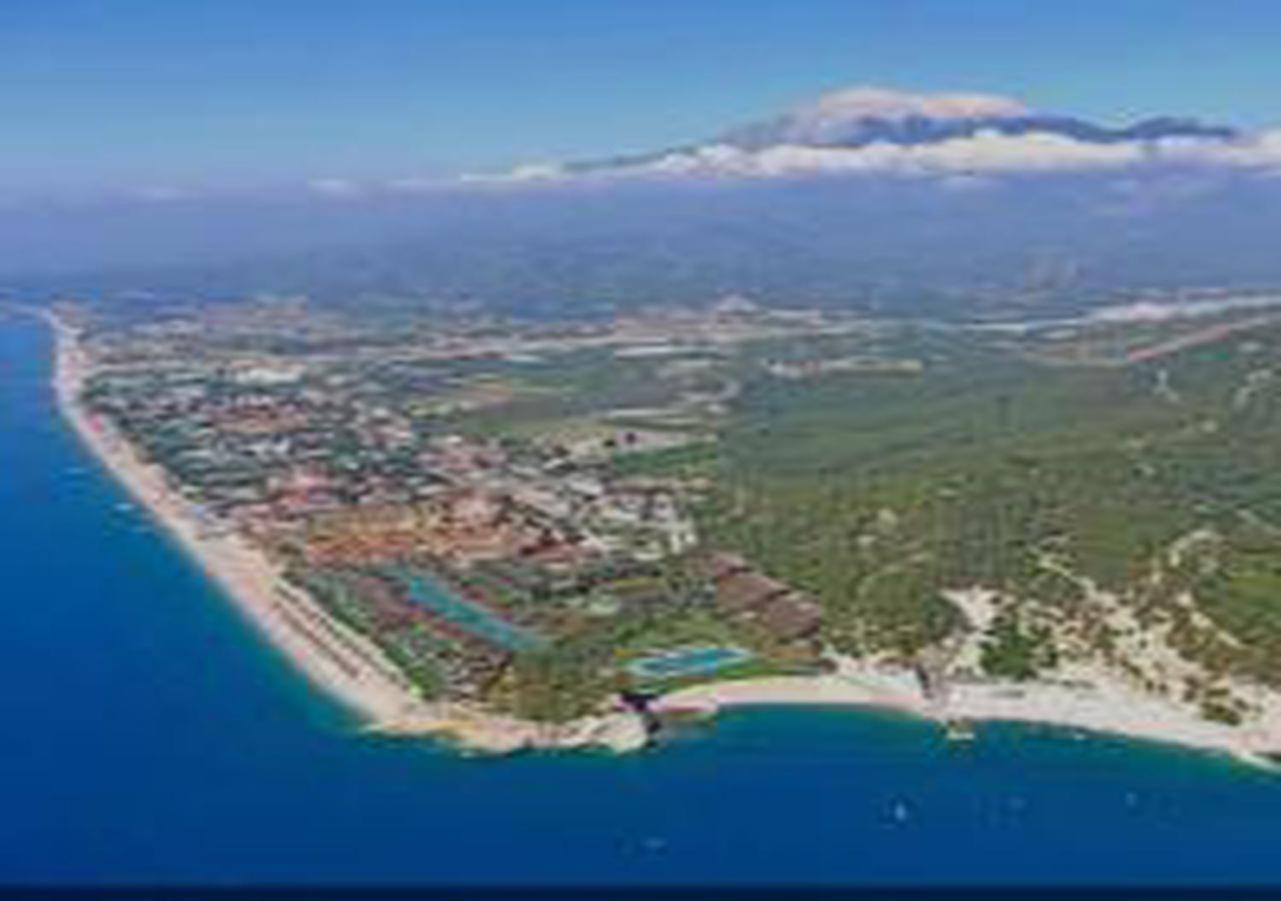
{"x":146,"y":93}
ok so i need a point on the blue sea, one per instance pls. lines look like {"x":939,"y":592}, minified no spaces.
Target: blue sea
{"x":152,"y":737}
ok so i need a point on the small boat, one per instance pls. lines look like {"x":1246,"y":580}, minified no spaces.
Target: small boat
{"x":124,"y":507}
{"x":959,"y":731}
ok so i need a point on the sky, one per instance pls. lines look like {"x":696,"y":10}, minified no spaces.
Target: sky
{"x":166,"y":95}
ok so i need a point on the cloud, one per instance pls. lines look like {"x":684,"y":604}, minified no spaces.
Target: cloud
{"x":527,"y":172}
{"x":877,"y":131}
{"x":336,"y":188}
{"x":1258,"y":151}
{"x":986,"y":153}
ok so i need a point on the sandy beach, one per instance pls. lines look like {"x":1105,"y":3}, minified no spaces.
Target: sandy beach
{"x":1094,"y":702}
{"x":341,"y":662}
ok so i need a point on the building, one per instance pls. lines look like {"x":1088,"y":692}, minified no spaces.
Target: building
{"x":745,"y":591}
{"x":790,"y":617}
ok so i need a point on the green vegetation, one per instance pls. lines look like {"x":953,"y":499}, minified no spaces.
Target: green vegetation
{"x":587,"y":662}
{"x":686,"y":461}
{"x":1015,"y":652}
{"x":875,"y":492}
{"x":573,"y":385}
{"x":1045,"y":468}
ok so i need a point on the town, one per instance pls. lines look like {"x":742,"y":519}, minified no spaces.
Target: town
{"x":478,"y":500}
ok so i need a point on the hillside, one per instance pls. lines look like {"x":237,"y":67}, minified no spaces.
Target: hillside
{"x":1115,"y":491}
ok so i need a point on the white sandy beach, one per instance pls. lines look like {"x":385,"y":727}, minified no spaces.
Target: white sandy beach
{"x":1096,"y":702}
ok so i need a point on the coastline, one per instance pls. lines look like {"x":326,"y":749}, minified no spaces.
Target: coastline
{"x":1096,"y":703}
{"x":353,"y":670}
{"x":337,"y":660}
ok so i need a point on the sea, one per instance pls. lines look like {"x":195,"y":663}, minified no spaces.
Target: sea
{"x":152,"y":737}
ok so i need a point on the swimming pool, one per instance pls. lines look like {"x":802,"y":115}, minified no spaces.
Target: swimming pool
{"x":687,"y":661}
{"x":427,"y":591}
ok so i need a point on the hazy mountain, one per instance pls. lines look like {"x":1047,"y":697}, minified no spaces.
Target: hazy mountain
{"x":957,"y":205}
{"x":865,"y":130}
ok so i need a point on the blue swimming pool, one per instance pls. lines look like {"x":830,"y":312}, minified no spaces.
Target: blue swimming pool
{"x":687,"y":661}
{"x":427,"y":591}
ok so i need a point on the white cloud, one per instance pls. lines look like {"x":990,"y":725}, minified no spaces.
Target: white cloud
{"x":987,"y":153}
{"x":337,"y":188}
{"x":831,"y":136}
{"x":981,"y":154}
{"x":528,"y":172}
{"x":1261,"y":150}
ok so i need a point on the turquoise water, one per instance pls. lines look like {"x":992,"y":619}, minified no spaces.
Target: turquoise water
{"x":430,"y":593}
{"x":687,"y":662}
{"x":150,"y":736}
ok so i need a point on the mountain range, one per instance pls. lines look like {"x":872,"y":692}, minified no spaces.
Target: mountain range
{"x":956,"y":205}
{"x":872,"y":130}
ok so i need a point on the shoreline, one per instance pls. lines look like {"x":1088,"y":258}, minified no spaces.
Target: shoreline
{"x":1104,"y":705}
{"x":339,"y":661}
{"x":351,"y":669}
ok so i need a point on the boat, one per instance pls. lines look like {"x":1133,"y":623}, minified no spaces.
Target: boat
{"x":959,"y":730}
